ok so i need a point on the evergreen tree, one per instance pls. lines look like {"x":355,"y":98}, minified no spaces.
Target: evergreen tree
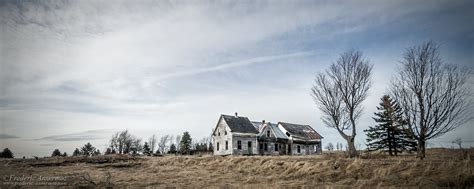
{"x":76,"y":152}
{"x":7,"y":153}
{"x":108,"y":151}
{"x":172,"y":149}
{"x":146,"y":149}
{"x":185,"y":144}
{"x":88,"y":149}
{"x":55,"y":153}
{"x":64,"y":154}
{"x":96,"y":152}
{"x":388,"y":135}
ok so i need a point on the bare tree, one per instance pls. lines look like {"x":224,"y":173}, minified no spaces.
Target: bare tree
{"x":123,"y":143}
{"x":162,"y":144}
{"x":152,"y":142}
{"x":432,"y":94}
{"x":339,"y":93}
{"x":330,"y":147}
{"x":458,"y":141}
{"x":178,"y":141}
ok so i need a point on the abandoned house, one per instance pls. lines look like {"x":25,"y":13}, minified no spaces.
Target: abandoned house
{"x":237,"y":135}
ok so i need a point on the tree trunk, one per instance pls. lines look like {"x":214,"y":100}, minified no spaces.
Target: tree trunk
{"x":351,"y":147}
{"x":420,"y":153}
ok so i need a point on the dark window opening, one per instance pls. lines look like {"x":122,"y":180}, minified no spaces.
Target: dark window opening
{"x":239,"y":145}
{"x":298,"y":149}
{"x":261,"y":146}
{"x":287,"y":134}
{"x":268,"y":133}
{"x":218,"y":133}
{"x":226,"y":145}
{"x":276,"y":147}
{"x":217,"y":146}
{"x":265,"y":146}
{"x":225,"y":132}
{"x":250,"y":144}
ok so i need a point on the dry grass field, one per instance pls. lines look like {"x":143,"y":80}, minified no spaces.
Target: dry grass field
{"x":442,"y":168}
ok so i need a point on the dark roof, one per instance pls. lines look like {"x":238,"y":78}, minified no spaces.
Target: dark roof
{"x":305,"y":132}
{"x":239,"y":124}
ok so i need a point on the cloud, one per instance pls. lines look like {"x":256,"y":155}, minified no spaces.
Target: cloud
{"x":170,"y":66}
{"x":6,"y":136}
{"x":80,"y":136}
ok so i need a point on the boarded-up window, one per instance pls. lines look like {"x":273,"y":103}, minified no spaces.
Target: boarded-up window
{"x":226,"y":145}
{"x":276,"y":147}
{"x":239,"y":145}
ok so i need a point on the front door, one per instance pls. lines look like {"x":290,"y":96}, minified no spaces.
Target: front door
{"x":249,"y":147}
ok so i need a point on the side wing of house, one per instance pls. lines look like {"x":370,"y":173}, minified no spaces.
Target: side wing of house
{"x":271,"y":140}
{"x":303,"y":139}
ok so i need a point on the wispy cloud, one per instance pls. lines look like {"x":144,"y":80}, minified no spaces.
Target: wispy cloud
{"x":230,"y":65}
{"x":7,"y":136}
{"x":79,"y":136}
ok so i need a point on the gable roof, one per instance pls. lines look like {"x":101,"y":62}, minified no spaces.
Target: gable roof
{"x":239,"y":124}
{"x":273,"y":127}
{"x":301,"y":131}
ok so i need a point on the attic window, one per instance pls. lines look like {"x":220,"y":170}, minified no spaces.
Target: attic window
{"x":287,"y":134}
{"x":268,"y":133}
{"x":225,"y":132}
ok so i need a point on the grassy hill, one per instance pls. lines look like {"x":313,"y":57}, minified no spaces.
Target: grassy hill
{"x":442,"y":168}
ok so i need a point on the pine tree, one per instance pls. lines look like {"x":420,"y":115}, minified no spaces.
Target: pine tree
{"x":7,"y":153}
{"x":388,"y":135}
{"x":185,"y":144}
{"x":146,"y":149}
{"x":76,"y":152}
{"x":88,"y":149}
{"x":55,"y":153}
{"x":172,"y":149}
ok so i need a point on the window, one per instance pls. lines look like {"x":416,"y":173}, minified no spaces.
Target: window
{"x":268,"y":133}
{"x":261,"y":146}
{"x":218,"y":133}
{"x":250,"y":144}
{"x":276,"y":147}
{"x":265,"y":146}
{"x":298,"y":149}
{"x":226,"y":145}
{"x":225,"y":132}
{"x":217,"y":146}
{"x":239,"y":145}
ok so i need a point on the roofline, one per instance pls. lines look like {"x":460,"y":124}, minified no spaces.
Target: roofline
{"x":302,"y":125}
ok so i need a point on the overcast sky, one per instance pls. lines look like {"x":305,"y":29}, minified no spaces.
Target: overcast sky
{"x":77,"y":71}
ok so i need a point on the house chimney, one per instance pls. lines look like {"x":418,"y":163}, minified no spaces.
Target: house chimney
{"x":263,"y":122}
{"x":236,"y":115}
